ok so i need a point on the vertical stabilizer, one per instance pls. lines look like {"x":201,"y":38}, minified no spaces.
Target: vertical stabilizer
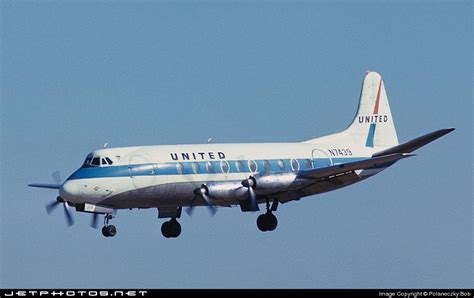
{"x":373,"y":124}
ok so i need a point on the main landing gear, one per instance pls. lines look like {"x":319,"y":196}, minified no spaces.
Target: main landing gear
{"x":171,"y":228}
{"x":268,"y":221}
{"x":108,"y":230}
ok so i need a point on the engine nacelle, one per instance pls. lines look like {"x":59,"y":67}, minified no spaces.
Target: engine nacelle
{"x":225,"y":190}
{"x":271,"y":183}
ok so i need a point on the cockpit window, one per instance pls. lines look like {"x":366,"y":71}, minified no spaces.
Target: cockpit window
{"x":95,"y":162}
{"x":88,"y":160}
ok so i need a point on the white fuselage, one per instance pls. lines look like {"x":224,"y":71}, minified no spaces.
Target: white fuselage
{"x":156,"y":176}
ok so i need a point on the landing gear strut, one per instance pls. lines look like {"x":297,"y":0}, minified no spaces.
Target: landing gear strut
{"x":268,"y":221}
{"x":171,"y":229}
{"x":108,"y":230}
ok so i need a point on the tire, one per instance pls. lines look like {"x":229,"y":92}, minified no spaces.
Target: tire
{"x":166,"y":229}
{"x":104,"y":231}
{"x":111,"y":230}
{"x":262,"y":223}
{"x":272,"y":221}
{"x":175,"y":229}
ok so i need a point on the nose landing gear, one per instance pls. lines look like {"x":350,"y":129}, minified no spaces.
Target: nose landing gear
{"x":108,"y":230}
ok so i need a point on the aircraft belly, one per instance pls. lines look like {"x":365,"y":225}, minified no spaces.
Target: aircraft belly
{"x":318,"y":187}
{"x":170,"y":194}
{"x":332,"y":184}
{"x":181,"y":193}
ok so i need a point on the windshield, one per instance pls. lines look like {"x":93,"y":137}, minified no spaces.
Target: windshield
{"x":88,"y":160}
{"x":96,"y":161}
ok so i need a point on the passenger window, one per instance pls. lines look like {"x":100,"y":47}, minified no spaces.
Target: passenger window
{"x":109,"y":161}
{"x":95,"y":162}
{"x":252,"y":166}
{"x":308,"y":164}
{"x":180,"y":168}
{"x":224,"y":166}
{"x":281,"y":164}
{"x":209,"y":167}
{"x":239,"y":166}
{"x":195,"y":167}
{"x":266,"y":166}
{"x":295,"y":165}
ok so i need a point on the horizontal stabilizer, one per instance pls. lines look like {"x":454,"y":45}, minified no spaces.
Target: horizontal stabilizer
{"x":50,"y":186}
{"x":352,"y":166}
{"x":414,"y":144}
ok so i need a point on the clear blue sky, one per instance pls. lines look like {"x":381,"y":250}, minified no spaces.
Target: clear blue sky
{"x":77,"y":74}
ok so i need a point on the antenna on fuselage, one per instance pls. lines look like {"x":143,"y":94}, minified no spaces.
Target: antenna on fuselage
{"x":105,"y":145}
{"x":210,"y":140}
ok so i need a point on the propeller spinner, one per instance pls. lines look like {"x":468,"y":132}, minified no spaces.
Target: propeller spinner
{"x":202,"y":192}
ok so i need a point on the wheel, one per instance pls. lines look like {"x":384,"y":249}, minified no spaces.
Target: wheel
{"x":262,"y":223}
{"x":166,"y":229}
{"x":175,"y":228}
{"x":267,"y":222}
{"x":111,"y":230}
{"x":271,"y":220}
{"x":171,"y":229}
{"x":104,"y":231}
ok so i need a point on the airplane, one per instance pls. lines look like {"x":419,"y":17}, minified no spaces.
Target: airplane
{"x":170,"y":177}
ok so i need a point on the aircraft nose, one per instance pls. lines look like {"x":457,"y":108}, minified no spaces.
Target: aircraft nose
{"x":69,"y":190}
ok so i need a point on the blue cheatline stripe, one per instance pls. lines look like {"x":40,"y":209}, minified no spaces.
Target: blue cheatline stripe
{"x":200,"y":167}
{"x":370,"y":136}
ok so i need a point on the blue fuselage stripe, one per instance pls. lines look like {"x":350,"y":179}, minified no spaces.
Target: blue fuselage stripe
{"x":205,"y":167}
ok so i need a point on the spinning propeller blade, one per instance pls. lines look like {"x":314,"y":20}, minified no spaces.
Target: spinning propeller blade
{"x":67,"y":214}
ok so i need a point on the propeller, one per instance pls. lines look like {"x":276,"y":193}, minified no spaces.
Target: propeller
{"x":203,"y":193}
{"x":190,"y":209}
{"x":50,"y":207}
{"x":57,"y":177}
{"x":67,"y":214}
{"x":250,"y":184}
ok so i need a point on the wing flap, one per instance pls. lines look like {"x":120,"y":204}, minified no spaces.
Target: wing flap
{"x":352,"y":166}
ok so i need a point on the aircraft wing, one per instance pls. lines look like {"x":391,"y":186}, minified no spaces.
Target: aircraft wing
{"x":352,"y":166}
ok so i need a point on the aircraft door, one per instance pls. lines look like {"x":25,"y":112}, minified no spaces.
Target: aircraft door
{"x":320,"y":159}
{"x":142,"y":171}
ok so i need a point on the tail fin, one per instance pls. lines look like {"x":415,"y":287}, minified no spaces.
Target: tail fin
{"x":373,"y":124}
